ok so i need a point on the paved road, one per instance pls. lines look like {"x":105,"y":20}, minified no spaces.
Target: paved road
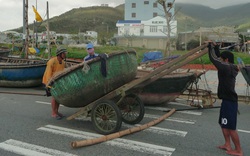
{"x":28,"y":129}
{"x":210,"y":81}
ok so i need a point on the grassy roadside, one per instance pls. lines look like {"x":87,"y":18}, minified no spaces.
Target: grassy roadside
{"x":80,"y":53}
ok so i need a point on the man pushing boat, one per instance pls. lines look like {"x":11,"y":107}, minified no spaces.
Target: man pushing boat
{"x":54,"y":65}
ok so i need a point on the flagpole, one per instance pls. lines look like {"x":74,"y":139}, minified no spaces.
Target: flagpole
{"x":36,"y":29}
{"x":48,"y":33}
{"x":27,"y":30}
{"x":24,"y":26}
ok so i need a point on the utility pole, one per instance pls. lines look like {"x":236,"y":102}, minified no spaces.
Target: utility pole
{"x":186,"y":34}
{"x":24,"y":25}
{"x":36,"y":37}
{"x":27,"y":30}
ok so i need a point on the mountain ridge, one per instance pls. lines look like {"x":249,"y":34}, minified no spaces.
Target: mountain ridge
{"x":189,"y":17}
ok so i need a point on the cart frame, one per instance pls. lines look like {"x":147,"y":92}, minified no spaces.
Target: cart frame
{"x":123,"y":92}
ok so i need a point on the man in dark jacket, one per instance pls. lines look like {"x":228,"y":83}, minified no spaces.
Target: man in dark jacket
{"x":227,"y":73}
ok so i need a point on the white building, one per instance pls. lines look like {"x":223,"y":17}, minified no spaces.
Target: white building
{"x":145,"y":24}
{"x":156,"y":26}
{"x":145,"y":9}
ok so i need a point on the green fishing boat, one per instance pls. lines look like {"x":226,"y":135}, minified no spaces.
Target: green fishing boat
{"x":83,"y":83}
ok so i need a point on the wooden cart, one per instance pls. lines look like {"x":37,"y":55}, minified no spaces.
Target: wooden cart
{"x":121,"y":104}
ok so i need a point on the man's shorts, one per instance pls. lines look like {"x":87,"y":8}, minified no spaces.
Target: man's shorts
{"x":228,"y":114}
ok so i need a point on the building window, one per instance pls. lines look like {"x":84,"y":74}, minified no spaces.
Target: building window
{"x":146,"y":2}
{"x":133,"y":15}
{"x":170,"y":5}
{"x":155,"y":14}
{"x":165,"y":28}
{"x":153,"y":29}
{"x":133,"y":5}
{"x":155,"y":5}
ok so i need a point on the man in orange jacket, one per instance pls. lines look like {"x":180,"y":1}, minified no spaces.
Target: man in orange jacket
{"x":54,"y":65}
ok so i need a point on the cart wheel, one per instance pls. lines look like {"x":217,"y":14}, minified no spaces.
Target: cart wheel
{"x":106,"y":117}
{"x":132,"y":109}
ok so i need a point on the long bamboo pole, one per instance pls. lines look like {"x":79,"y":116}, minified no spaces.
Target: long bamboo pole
{"x":77,"y":144}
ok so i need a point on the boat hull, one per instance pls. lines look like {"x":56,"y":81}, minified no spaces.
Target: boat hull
{"x":246,"y":73}
{"x":166,"y":88}
{"x":78,"y":87}
{"x":21,"y":74}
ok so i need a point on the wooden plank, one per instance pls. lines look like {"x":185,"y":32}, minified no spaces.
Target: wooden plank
{"x":173,"y":68}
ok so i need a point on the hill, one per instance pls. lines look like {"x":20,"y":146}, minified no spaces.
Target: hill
{"x":83,"y":19}
{"x":188,"y":16}
{"x":202,"y":16}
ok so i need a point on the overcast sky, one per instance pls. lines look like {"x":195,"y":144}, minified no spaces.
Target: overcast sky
{"x":12,"y":10}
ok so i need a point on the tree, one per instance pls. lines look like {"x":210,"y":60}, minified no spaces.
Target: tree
{"x":167,"y":7}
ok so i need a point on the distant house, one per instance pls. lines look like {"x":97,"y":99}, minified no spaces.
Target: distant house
{"x":145,"y":25}
{"x":80,"y":38}
{"x":91,"y":36}
{"x":156,"y":26}
{"x":130,"y":27}
{"x":52,"y":35}
{"x":3,"y":37}
{"x":225,"y":35}
{"x":10,"y":36}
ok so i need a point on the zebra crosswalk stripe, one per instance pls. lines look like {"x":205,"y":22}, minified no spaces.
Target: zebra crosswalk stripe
{"x":122,"y":143}
{"x":27,"y":149}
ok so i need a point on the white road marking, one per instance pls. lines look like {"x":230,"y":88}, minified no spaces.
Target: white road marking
{"x":186,"y":121}
{"x":178,"y":104}
{"x":47,"y":103}
{"x":153,"y":108}
{"x":26,"y":149}
{"x":168,"y":109}
{"x":41,"y":102}
{"x":244,"y":131}
{"x":122,"y":143}
{"x":161,"y":131}
{"x":180,"y":120}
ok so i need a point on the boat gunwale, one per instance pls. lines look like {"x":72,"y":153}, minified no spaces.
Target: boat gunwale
{"x":80,"y":65}
{"x":245,"y":73}
{"x":14,"y":62}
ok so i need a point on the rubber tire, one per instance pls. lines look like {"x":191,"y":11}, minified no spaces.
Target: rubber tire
{"x":97,"y":120}
{"x":127,"y":109}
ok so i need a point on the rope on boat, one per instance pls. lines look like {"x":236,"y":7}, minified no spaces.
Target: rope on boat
{"x":77,"y":144}
{"x":85,"y":67}
{"x":132,"y":58}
